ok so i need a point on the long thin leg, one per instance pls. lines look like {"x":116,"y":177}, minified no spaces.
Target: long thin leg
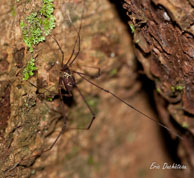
{"x":52,"y":145}
{"x":76,"y":55}
{"x":92,"y":76}
{"x":107,"y":91}
{"x":74,"y":50}
{"x":62,"y":57}
{"x":92,"y":112}
{"x":78,"y":39}
{"x":37,"y":87}
{"x":64,"y":120}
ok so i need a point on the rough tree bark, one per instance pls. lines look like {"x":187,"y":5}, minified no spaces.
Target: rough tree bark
{"x":163,"y":35}
{"x":29,"y":122}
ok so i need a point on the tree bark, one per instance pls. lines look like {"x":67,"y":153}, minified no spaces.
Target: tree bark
{"x":29,"y":121}
{"x":163,"y":38}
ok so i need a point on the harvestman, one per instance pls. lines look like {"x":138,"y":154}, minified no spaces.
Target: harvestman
{"x":68,"y":83}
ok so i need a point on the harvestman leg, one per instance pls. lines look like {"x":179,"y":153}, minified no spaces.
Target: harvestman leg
{"x":64,"y":118}
{"x":62,"y":57}
{"x":60,"y":83}
{"x":64,"y":122}
{"x":91,"y":76}
{"x":148,"y":117}
{"x":77,"y":39}
{"x":90,"y":109}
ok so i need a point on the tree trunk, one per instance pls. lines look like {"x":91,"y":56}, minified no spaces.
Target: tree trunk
{"x":118,"y":143}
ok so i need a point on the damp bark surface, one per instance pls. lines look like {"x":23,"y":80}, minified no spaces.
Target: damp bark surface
{"x":120,"y":142}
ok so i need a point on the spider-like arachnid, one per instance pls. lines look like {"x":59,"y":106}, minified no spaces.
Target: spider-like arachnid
{"x":67,"y":82}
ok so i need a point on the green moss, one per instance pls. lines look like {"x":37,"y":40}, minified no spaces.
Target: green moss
{"x":50,"y":99}
{"x":38,"y":24}
{"x":158,"y":90}
{"x":179,"y":88}
{"x":132,"y":28}
{"x":173,"y":89}
{"x":35,"y":28}
{"x":29,"y":69}
{"x":113,"y":72}
{"x":185,"y":125}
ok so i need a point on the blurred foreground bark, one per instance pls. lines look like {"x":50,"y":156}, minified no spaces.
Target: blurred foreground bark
{"x":163,"y":36}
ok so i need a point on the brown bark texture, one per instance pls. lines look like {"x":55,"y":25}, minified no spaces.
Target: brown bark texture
{"x":29,"y":122}
{"x":163,"y":36}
